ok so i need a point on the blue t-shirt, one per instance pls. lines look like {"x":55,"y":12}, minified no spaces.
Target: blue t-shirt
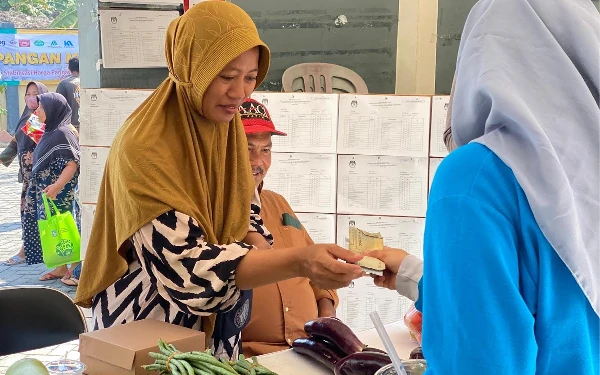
{"x":496,"y":298}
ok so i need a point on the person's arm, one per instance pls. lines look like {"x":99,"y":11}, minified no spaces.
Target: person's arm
{"x":9,"y":154}
{"x":189,"y":273}
{"x":403,"y":271}
{"x":475,"y":320}
{"x":409,"y":274}
{"x":327,"y":299}
{"x":201,"y":278}
{"x":65,"y":176}
{"x":319,"y":263}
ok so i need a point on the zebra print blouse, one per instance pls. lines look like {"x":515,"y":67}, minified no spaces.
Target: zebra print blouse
{"x":176,"y":277}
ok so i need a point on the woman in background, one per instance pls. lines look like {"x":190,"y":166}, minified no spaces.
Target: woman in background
{"x":55,"y":171}
{"x":23,"y":149}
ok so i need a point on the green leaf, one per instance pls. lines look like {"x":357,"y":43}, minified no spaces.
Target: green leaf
{"x":67,"y":19}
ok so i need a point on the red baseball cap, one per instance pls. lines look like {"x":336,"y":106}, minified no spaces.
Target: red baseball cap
{"x":256,"y":118}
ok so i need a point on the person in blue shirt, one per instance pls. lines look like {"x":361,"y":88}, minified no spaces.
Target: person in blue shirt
{"x":511,"y":273}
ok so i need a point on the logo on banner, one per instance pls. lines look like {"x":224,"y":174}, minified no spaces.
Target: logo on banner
{"x":13,"y":42}
{"x":69,"y":44}
{"x":38,"y":43}
{"x":54,"y":44}
{"x":24,"y":43}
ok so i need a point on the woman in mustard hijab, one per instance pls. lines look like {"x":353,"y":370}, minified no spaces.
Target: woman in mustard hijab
{"x":176,"y":220}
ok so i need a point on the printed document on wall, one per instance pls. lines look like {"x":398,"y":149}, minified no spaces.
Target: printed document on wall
{"x":306,"y":181}
{"x":439,"y":110}
{"x":433,"y":166}
{"x":320,"y":227}
{"x":87,"y":219}
{"x":310,"y":120}
{"x":398,"y":232}
{"x":93,"y":160}
{"x":362,"y":297}
{"x":382,"y":185}
{"x":384,"y":125}
{"x":134,"y":38}
{"x":104,"y":111}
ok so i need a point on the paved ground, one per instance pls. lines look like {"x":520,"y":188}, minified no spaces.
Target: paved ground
{"x":10,"y":242}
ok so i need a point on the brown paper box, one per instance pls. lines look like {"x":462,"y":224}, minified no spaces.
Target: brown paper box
{"x":123,"y":349}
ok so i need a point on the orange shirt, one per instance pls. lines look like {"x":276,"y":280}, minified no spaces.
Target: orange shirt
{"x":280,"y":310}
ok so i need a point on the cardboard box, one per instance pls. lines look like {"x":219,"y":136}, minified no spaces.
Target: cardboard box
{"x":123,"y":349}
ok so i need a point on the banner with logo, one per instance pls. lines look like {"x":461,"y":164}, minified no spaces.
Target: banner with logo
{"x":36,"y":55}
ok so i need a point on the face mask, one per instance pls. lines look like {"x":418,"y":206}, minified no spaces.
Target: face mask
{"x":31,"y":102}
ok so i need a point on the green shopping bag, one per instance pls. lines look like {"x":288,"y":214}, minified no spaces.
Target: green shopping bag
{"x":59,"y":236}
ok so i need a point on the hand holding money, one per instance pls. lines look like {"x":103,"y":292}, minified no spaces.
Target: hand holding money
{"x":363,"y":242}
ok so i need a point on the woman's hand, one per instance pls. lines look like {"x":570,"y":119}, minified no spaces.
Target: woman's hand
{"x":52,"y":190}
{"x":320,"y":264}
{"x":392,"y":258}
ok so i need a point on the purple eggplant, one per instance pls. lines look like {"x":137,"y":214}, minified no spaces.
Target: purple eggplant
{"x":321,"y":351}
{"x":374,"y":350}
{"x":336,"y":332}
{"x":363,"y":363}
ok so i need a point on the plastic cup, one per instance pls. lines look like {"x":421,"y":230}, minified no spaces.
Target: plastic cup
{"x":65,"y":367}
{"x":411,"y":366}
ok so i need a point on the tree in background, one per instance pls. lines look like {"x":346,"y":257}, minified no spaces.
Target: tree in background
{"x":63,"y":13}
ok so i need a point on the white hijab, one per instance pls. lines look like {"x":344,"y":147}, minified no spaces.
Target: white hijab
{"x":527,"y":88}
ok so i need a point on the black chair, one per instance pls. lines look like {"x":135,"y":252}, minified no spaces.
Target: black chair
{"x":37,"y":317}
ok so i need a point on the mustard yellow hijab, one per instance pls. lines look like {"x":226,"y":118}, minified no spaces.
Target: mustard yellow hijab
{"x":168,"y":156}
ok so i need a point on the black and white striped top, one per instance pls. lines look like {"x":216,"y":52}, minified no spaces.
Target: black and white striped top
{"x":176,"y":277}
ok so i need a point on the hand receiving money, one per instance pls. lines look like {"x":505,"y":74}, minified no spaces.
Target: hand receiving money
{"x":363,"y":242}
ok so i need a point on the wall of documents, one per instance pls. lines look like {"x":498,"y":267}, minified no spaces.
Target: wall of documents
{"x":348,"y":160}
{"x":358,"y":160}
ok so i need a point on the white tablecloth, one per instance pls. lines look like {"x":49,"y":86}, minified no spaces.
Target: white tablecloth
{"x":287,"y":362}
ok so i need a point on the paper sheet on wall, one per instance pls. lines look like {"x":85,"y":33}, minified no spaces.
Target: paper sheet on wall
{"x":362,"y":297}
{"x":310,"y":120}
{"x":134,"y":38}
{"x":439,"y":110}
{"x":93,"y":160}
{"x":433,"y":166}
{"x":320,"y":227}
{"x":398,"y":232}
{"x":384,"y":125}
{"x":87,"y":219}
{"x":382,"y":185}
{"x":306,"y":181}
{"x":104,"y":111}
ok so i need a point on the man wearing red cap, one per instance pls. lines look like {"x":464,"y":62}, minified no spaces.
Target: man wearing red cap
{"x":279,"y":310}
